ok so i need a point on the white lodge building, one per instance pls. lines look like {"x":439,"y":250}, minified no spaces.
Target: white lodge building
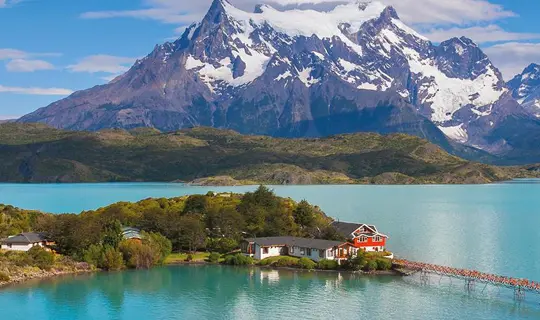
{"x":314,"y":249}
{"x":25,"y":242}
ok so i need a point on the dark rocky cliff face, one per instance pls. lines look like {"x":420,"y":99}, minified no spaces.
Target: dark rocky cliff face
{"x":303,"y":73}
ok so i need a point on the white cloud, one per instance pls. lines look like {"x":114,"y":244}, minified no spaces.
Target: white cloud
{"x":10,"y":53}
{"x":449,"y":11}
{"x":6,"y":54}
{"x":22,"y":65}
{"x":8,"y":3}
{"x":36,"y":91}
{"x":162,"y":15}
{"x":412,"y":11}
{"x":21,"y":61}
{"x":512,"y":57}
{"x":480,"y":34}
{"x":103,"y":63}
{"x":8,"y":117}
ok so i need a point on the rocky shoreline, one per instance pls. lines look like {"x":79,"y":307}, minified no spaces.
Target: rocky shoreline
{"x":42,"y":274}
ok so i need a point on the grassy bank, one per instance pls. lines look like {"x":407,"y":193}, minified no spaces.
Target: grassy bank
{"x":374,"y":263}
{"x":37,"y":153}
{"x":181,"y":258}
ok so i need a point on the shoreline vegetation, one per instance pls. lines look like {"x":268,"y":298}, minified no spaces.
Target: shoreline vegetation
{"x":367,"y":263}
{"x":35,"y":153}
{"x":213,"y":223}
{"x":37,"y":263}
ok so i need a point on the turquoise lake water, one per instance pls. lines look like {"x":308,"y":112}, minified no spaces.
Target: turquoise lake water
{"x":492,"y":228}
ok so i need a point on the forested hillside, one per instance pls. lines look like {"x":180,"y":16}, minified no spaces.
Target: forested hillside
{"x":37,"y":153}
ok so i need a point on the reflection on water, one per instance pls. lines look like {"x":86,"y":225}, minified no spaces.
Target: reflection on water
{"x":215,"y":292}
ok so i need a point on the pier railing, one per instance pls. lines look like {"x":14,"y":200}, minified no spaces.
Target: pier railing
{"x":470,"y":276}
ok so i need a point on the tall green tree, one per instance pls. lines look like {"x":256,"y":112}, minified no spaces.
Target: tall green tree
{"x":304,"y":215}
{"x":225,"y":222}
{"x":112,"y":234}
{"x":186,"y":232}
{"x":196,"y":204}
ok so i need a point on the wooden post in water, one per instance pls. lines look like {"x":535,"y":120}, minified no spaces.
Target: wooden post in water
{"x":519,"y":294}
{"x":470,"y":284}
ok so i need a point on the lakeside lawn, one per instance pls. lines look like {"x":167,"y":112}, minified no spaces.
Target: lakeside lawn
{"x":175,"y":258}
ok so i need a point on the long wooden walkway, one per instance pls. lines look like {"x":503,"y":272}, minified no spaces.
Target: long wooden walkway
{"x":471,"y":276}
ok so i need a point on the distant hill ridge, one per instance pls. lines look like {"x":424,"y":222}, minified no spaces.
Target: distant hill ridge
{"x":38,"y":153}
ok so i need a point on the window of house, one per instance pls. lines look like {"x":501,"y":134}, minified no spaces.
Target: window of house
{"x":363,"y":239}
{"x":321,"y":253}
{"x":265,"y":250}
{"x":292,"y":250}
{"x":308,"y":251}
{"x":303,"y":251}
{"x":378,"y":239}
{"x":330,"y":253}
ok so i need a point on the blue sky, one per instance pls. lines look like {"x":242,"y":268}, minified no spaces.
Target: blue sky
{"x":49,"y":48}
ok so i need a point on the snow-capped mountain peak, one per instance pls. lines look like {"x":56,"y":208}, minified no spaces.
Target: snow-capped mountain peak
{"x":526,"y":88}
{"x":355,"y":67}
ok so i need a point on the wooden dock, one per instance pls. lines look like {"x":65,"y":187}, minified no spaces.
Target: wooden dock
{"x":471,"y":277}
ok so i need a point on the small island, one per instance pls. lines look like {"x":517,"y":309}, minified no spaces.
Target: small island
{"x":255,"y":228}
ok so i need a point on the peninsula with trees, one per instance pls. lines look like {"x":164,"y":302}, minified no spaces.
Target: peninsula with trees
{"x":215,"y":225}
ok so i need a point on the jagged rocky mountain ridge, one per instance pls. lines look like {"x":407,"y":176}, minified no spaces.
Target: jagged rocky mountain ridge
{"x":306,"y":73}
{"x":526,"y":88}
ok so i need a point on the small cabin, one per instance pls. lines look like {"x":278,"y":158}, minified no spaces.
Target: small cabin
{"x":26,"y":241}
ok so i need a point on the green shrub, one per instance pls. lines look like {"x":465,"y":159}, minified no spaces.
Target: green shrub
{"x":159,"y":243}
{"x":286,"y":262}
{"x":138,"y":255}
{"x":356,"y":263}
{"x":214,"y":257}
{"x":93,"y":255}
{"x":265,"y":262}
{"x":371,"y":265}
{"x":306,"y":263}
{"x":384,"y":264}
{"x":326,"y":264}
{"x":20,"y":259}
{"x":112,"y":259}
{"x":189,"y":258}
{"x":41,"y":258}
{"x":221,"y":245}
{"x":4,"y":277}
{"x":238,"y":260}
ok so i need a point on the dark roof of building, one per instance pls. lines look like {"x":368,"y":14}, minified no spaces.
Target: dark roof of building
{"x":297,"y":242}
{"x":346,"y":228}
{"x":27,"y":237}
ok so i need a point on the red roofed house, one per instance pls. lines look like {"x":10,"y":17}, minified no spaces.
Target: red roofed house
{"x":363,"y":236}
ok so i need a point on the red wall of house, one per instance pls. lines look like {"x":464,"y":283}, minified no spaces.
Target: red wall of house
{"x":369,"y":243}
